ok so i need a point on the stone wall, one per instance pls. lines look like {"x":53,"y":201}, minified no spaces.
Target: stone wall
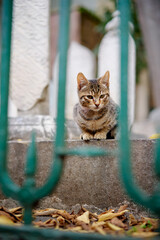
{"x":92,"y":181}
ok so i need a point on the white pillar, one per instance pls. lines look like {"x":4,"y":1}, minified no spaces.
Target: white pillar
{"x":30,"y":52}
{"x":109,"y":59}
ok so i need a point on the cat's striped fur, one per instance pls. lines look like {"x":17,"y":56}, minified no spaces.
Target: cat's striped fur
{"x":96,"y":113}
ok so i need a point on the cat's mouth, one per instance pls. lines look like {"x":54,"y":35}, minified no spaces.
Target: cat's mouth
{"x":97,"y":107}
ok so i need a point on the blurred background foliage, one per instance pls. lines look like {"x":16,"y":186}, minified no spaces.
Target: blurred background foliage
{"x":141,"y":62}
{"x":103,"y":16}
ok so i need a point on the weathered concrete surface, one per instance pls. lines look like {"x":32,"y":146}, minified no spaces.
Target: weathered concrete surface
{"x":43,"y":125}
{"x":91,"y":181}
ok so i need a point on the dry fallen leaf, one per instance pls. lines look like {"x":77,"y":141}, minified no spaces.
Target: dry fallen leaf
{"x":47,"y":224}
{"x":114,"y":227}
{"x":97,"y":224}
{"x":16,"y":210}
{"x":132,"y":220}
{"x":10,"y":215}
{"x":84,"y":217}
{"x":4,"y":220}
{"x":94,"y":215}
{"x":100,"y":230}
{"x":150,"y":221}
{"x":116,"y":221}
{"x":45,"y":212}
{"x":108,"y":222}
{"x":61,"y":221}
{"x":110,"y":215}
{"x":122,"y":208}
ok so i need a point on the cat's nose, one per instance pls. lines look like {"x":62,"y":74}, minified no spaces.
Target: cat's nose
{"x":96,"y":104}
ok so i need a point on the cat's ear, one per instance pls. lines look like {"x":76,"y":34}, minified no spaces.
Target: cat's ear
{"x":105,"y":79}
{"x":81,"y":81}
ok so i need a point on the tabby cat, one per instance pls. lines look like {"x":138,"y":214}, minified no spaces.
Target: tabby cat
{"x":96,"y":113}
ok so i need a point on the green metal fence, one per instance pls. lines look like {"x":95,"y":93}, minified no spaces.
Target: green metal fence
{"x":28,"y":194}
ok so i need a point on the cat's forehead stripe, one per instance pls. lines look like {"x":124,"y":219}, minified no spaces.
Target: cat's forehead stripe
{"x":94,"y":86}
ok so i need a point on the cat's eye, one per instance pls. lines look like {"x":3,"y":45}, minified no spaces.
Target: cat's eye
{"x":103,"y":95}
{"x":90,"y":96}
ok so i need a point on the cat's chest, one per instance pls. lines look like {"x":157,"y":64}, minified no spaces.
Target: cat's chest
{"x":94,"y":125}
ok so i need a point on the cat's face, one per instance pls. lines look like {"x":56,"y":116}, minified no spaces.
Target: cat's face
{"x":93,"y":94}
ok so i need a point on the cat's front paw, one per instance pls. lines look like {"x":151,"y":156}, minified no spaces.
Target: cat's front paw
{"x":86,"y":136}
{"x":100,"y":135}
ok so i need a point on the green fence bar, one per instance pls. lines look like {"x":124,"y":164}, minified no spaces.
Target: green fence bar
{"x":87,"y":152}
{"x":62,"y":47}
{"x":137,"y":194}
{"x":125,"y":164}
{"x":60,"y":129}
{"x":27,"y":195}
{"x":4,"y":90}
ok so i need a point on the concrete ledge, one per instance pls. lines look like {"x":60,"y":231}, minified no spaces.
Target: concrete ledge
{"x":43,"y":125}
{"x":91,"y":181}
